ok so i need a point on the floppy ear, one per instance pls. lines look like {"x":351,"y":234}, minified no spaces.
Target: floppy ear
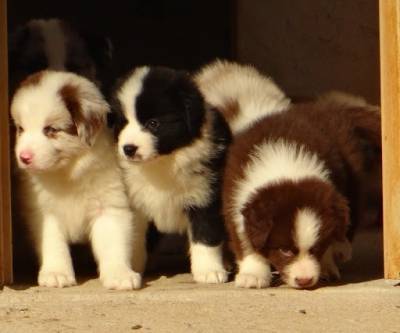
{"x":87,"y":107}
{"x":191,"y":100}
{"x":258,"y":224}
{"x":341,"y":216}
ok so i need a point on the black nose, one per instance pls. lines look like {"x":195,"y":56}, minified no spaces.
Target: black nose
{"x":304,"y":282}
{"x":130,"y":150}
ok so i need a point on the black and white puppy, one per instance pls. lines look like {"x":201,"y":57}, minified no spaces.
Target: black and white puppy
{"x":55,"y":44}
{"x":172,"y":150}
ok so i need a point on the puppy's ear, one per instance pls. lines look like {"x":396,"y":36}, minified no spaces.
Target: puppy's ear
{"x":190,"y":100}
{"x":87,"y":107}
{"x":258,"y":223}
{"x":341,"y":216}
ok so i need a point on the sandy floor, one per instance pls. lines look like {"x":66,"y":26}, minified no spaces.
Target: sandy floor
{"x":361,"y":303}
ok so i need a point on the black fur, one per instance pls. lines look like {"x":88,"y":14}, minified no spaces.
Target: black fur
{"x":207,"y":224}
{"x":178,"y":109}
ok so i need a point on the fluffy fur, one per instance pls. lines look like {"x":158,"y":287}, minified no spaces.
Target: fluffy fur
{"x":71,"y":189}
{"x":290,"y":182}
{"x":241,"y":93}
{"x":172,"y":147}
{"x":54,"y":44}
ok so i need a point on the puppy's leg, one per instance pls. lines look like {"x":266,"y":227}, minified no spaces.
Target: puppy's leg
{"x":139,"y":252}
{"x":56,"y":265}
{"x":254,"y":272}
{"x":206,"y":235}
{"x":111,"y":237}
{"x":329,"y":269}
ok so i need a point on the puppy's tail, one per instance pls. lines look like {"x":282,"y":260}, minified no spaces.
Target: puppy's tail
{"x":240,"y":92}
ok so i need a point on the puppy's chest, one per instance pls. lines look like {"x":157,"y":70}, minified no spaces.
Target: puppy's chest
{"x":163,"y":197}
{"x":73,"y":210}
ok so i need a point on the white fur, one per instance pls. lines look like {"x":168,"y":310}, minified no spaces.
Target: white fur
{"x":223,"y":82}
{"x":307,"y":225}
{"x":305,"y":266}
{"x":206,"y":264}
{"x":272,"y":162}
{"x":254,"y":272}
{"x":54,"y":42}
{"x":162,"y":187}
{"x":77,"y":198}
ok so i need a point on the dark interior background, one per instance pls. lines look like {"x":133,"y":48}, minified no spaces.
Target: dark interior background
{"x":177,"y":33}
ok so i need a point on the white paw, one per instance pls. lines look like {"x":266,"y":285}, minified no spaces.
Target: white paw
{"x":122,"y":279}
{"x":217,"y":276}
{"x":252,"y":281}
{"x":56,"y":279}
{"x":342,"y":251}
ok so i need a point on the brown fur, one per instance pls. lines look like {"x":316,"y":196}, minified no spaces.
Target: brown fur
{"x":347,"y":140}
{"x":230,"y":110}
{"x":32,"y":80}
{"x":71,"y":97}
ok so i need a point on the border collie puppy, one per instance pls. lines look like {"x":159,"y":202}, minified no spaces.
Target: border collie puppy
{"x":290,"y":182}
{"x":54,"y":44}
{"x":240,"y":92}
{"x":71,"y":189}
{"x":172,"y":148}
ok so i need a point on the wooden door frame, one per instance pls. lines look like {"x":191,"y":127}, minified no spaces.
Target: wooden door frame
{"x":6,"y":270}
{"x":389,"y":21}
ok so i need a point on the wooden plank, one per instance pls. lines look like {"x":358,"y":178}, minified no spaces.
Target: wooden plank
{"x":390,"y":99}
{"x":5,"y":213}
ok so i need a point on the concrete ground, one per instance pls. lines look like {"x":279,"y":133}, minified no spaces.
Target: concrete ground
{"x":362,"y":302}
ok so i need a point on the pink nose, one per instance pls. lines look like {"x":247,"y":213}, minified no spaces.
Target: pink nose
{"x":26,"y":157}
{"x":304,"y":282}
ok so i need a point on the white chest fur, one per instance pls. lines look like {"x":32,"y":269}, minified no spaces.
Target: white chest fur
{"x":161,"y":190}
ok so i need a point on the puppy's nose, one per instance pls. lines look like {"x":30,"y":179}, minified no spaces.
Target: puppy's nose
{"x":26,"y":157}
{"x":304,"y":282}
{"x":129,"y":150}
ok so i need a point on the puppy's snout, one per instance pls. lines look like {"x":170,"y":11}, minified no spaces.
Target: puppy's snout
{"x":130,"y":150}
{"x":26,"y":157}
{"x":304,"y":282}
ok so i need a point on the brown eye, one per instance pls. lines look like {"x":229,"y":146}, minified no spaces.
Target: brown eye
{"x":50,"y":131}
{"x":286,"y":253}
{"x":20,"y":129}
{"x":152,"y":124}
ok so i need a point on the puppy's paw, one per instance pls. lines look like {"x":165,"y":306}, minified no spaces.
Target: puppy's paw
{"x":55,"y":279}
{"x":329,"y":269}
{"x":121,"y":279}
{"x":252,"y":281}
{"x":342,"y":251}
{"x":217,"y":276}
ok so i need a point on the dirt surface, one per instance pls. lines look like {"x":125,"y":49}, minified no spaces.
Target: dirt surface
{"x":361,"y":303}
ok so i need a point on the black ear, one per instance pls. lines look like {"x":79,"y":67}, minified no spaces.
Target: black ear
{"x":258,"y":224}
{"x":190,"y":100}
{"x":100,"y":49}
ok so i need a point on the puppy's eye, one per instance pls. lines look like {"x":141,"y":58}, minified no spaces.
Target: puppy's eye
{"x":20,"y":129}
{"x":286,"y":253}
{"x":50,"y":131}
{"x":152,"y":125}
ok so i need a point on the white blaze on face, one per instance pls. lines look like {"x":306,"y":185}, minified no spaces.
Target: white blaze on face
{"x":304,"y":271}
{"x":133,"y":133}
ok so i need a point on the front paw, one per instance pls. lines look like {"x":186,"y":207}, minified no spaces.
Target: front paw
{"x":121,"y":279}
{"x":213,"y":276}
{"x":54,"y":279}
{"x":252,"y":281}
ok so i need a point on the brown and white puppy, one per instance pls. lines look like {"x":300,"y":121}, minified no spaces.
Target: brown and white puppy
{"x":241,"y":92}
{"x":71,"y":189}
{"x":289,"y":185}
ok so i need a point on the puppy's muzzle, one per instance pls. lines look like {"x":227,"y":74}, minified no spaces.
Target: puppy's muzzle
{"x":130,"y":150}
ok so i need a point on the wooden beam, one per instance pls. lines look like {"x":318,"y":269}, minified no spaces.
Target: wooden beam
{"x":390,"y":101}
{"x":5,"y":200}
